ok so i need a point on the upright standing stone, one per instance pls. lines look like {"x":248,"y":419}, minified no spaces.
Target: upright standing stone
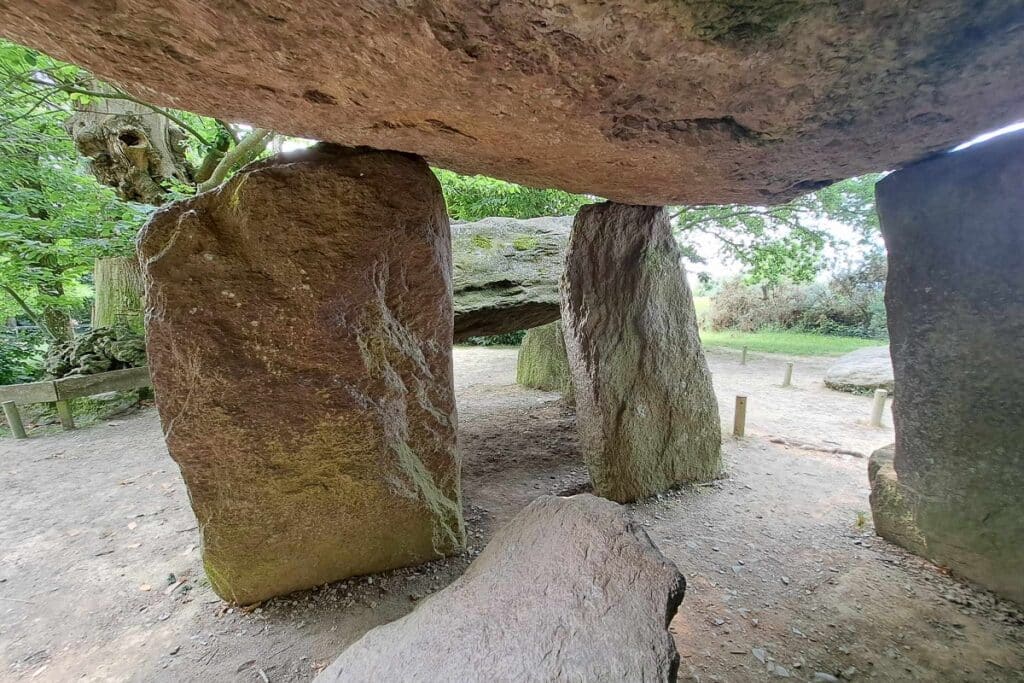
{"x":645,"y":407}
{"x":954,"y":230}
{"x":299,"y":324}
{"x":542,"y":362}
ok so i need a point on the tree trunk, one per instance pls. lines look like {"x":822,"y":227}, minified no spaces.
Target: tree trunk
{"x":131,"y":148}
{"x":58,"y":322}
{"x":118,"y":283}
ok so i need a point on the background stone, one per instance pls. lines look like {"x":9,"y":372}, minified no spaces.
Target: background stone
{"x":506,"y":273}
{"x":542,"y":363}
{"x":861,"y":371}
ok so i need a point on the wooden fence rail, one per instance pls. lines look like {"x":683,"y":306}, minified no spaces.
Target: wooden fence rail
{"x":59,"y":391}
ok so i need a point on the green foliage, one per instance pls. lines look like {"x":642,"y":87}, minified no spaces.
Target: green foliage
{"x":507,"y":339}
{"x":783,"y":243}
{"x":21,"y":358}
{"x":54,"y":217}
{"x":850,"y":305}
{"x":472,"y":198}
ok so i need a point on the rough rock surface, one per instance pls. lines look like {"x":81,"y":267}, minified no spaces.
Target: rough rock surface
{"x":569,"y":590}
{"x":861,"y":371}
{"x":299,"y":330}
{"x":645,"y":408}
{"x":670,"y":101}
{"x":542,"y":362}
{"x":892,"y":506}
{"x":506,"y":273}
{"x":954,"y":231}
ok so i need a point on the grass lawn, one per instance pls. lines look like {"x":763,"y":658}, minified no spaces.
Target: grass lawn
{"x":785,"y":342}
{"x":790,"y":343}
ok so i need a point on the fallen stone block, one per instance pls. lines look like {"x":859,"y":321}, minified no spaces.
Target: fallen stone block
{"x":571,"y":589}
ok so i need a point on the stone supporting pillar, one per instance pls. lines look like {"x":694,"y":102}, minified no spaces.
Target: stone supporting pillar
{"x":646,"y":410}
{"x":299,"y":329}
{"x":954,"y":230}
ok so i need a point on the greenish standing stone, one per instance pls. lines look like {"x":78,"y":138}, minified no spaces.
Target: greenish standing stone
{"x":645,"y":407}
{"x":542,"y":362}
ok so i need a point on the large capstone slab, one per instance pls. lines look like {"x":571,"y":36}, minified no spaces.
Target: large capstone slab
{"x":506,"y":273}
{"x":954,"y":230}
{"x":299,"y":325}
{"x":570,"y":590}
{"x":645,"y":408}
{"x":640,"y":101}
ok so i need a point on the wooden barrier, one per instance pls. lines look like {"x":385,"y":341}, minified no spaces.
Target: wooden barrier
{"x":60,"y":391}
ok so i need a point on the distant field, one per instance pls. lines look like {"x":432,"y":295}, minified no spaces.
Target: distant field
{"x":790,"y":343}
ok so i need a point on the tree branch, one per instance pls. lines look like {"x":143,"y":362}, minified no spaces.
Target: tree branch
{"x":250,"y":146}
{"x":120,"y":95}
{"x":32,"y":315}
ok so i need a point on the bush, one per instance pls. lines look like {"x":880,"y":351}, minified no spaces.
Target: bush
{"x":507,"y":339}
{"x":851,"y":305}
{"x":21,"y":358}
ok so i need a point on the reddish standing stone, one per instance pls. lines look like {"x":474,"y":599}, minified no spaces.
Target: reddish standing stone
{"x":299,"y":334}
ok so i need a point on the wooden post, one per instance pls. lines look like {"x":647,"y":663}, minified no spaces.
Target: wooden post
{"x":67,"y":420}
{"x":787,"y":380}
{"x":743,"y":361}
{"x":14,"y":420}
{"x":878,"y":407}
{"x":739,"y":420}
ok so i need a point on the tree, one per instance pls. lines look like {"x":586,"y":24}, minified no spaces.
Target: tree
{"x":55,"y":219}
{"x":148,"y":154}
{"x":471,"y":198}
{"x":784,"y":242}
{"x":119,"y":292}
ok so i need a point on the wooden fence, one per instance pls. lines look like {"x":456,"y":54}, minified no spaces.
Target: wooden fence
{"x":59,"y":391}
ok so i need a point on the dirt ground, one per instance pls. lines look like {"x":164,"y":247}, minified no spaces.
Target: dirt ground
{"x":100,"y":575}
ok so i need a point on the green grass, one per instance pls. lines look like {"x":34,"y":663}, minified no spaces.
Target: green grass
{"x":790,"y":343}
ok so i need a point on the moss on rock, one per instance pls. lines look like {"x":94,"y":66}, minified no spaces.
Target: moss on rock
{"x":542,"y":363}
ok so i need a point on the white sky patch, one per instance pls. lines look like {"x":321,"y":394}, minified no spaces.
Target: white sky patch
{"x":1012,"y":128}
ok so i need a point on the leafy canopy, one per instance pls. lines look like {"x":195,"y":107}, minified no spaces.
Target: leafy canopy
{"x":54,"y":217}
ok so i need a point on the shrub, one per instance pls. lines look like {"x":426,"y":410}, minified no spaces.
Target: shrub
{"x":850,"y":305}
{"x":507,"y":339}
{"x":21,"y":358}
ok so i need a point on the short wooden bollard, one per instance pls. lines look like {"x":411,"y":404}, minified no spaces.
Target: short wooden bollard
{"x":878,"y":407}
{"x":787,"y":379}
{"x":14,"y":420}
{"x":743,"y":360}
{"x":67,"y":420}
{"x":739,"y":420}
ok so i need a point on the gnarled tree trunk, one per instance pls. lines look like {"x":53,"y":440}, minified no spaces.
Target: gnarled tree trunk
{"x":131,"y":148}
